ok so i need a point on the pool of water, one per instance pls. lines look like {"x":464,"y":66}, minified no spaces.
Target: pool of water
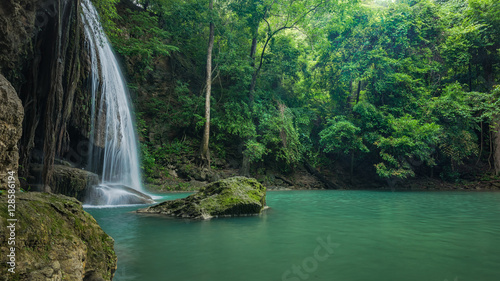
{"x":317,"y":235}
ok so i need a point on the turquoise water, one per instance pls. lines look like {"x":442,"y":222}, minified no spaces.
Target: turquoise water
{"x":318,"y":235}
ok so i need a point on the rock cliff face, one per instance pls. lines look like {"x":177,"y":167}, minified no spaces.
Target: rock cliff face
{"x":11,"y":119}
{"x":54,"y":240}
{"x":44,"y":55}
{"x":17,"y":19}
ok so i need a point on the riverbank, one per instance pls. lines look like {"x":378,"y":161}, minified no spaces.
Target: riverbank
{"x":182,"y":177}
{"x":414,"y":184}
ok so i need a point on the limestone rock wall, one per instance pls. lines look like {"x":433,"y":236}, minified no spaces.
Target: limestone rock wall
{"x":45,"y":68}
{"x":44,"y":55}
{"x":11,"y":120}
{"x":17,"y":19}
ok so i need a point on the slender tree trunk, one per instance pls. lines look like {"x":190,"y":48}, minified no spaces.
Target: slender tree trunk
{"x":245,"y":166}
{"x":491,"y":149}
{"x":470,"y":77}
{"x":252,"y":86}
{"x":352,"y":167}
{"x":358,"y":91}
{"x":351,"y":94}
{"x":496,"y":146}
{"x":245,"y":163}
{"x":481,"y":149}
{"x":205,"y":152}
{"x":253,"y":50}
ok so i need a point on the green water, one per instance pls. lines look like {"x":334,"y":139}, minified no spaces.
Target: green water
{"x":372,"y":236}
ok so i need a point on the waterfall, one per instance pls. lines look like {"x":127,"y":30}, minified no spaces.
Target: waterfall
{"x":112,"y":126}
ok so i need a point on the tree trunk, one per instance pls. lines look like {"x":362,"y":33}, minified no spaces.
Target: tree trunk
{"x":205,"y":152}
{"x":481,"y":143}
{"x":358,"y":91}
{"x":245,"y":166}
{"x":496,"y":146}
{"x":469,"y":77}
{"x":253,"y":50}
{"x":351,"y":172}
{"x":245,"y":163}
{"x":252,"y":86}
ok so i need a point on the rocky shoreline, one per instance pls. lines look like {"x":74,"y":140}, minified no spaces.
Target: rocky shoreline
{"x":415,"y":184}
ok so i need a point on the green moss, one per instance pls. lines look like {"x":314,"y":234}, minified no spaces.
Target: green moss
{"x":48,"y":223}
{"x":229,"y":197}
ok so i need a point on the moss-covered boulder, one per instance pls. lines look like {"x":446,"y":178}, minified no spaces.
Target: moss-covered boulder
{"x":55,"y":239}
{"x":236,"y":196}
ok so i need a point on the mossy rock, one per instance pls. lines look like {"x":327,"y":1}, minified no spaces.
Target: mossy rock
{"x":236,"y":196}
{"x":55,"y":240}
{"x":68,"y":181}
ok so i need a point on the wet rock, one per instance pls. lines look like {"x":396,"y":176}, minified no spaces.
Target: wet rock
{"x":115,"y":195}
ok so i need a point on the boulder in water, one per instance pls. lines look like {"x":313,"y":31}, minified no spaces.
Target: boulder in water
{"x":236,"y":196}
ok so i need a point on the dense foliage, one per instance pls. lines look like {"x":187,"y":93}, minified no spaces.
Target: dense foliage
{"x":396,"y":88}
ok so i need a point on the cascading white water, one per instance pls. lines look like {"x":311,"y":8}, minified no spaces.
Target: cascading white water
{"x":121,"y":178}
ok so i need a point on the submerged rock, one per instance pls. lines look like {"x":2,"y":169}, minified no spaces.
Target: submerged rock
{"x":237,"y":196}
{"x":55,"y":239}
{"x":115,"y":194}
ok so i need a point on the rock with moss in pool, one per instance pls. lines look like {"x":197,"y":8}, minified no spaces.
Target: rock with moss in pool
{"x":236,"y":196}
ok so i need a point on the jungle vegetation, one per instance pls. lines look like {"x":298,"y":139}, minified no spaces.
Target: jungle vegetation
{"x":392,"y":89}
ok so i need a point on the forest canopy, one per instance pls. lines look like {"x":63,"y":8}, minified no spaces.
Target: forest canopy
{"x":390,"y":89}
